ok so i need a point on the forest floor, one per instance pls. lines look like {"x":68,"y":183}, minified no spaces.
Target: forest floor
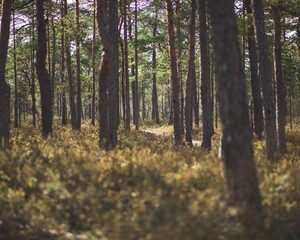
{"x":64,"y":187}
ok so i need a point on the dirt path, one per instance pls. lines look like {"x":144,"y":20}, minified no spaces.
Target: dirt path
{"x":195,"y":143}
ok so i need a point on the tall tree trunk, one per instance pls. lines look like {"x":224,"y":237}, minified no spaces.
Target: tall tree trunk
{"x":137,"y":105}
{"x":236,"y":146}
{"x":179,"y":53}
{"x":4,"y":87}
{"x":108,"y":77}
{"x":174,"y":74}
{"x":78,"y":71}
{"x":127,"y":87}
{"x":15,"y":73}
{"x":255,"y":81}
{"x":93,"y":65}
{"x":32,"y":90}
{"x":189,"y":81}
{"x":205,"y":79}
{"x":63,"y":105}
{"x":155,"y":112}
{"x":266,"y":79}
{"x":48,"y":44}
{"x":281,"y":110}
{"x":43,"y":75}
{"x":70,"y":75}
{"x":123,"y":82}
{"x":53,"y":62}
{"x":195,"y":102}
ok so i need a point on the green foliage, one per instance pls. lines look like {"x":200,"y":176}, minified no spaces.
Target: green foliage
{"x":147,"y":188}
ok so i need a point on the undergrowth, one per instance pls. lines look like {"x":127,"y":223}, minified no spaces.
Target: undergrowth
{"x":64,"y":187}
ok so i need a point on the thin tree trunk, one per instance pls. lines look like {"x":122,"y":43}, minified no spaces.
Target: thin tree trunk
{"x":155,"y":112}
{"x":15,"y":73}
{"x":78,"y":71}
{"x":63,"y":105}
{"x":70,"y":75}
{"x":189,"y":82}
{"x":53,"y":62}
{"x":127,"y":87}
{"x":137,"y":106}
{"x":174,"y":74}
{"x":236,"y":146}
{"x":93,"y":63}
{"x":281,"y":110}
{"x":43,"y":75}
{"x":48,"y":45}
{"x":255,"y":81}
{"x":266,"y":79}
{"x":32,"y":90}
{"x":205,"y":79}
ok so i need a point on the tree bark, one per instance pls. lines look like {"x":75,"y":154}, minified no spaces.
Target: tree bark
{"x":108,"y":77}
{"x":205,"y":79}
{"x":78,"y":71}
{"x":43,"y":75}
{"x":4,"y":87}
{"x":155,"y":112}
{"x":255,"y":81}
{"x":53,"y":62}
{"x":15,"y":73}
{"x":70,"y":75}
{"x":236,"y":146}
{"x":265,"y":78}
{"x":63,"y":105}
{"x":174,"y":74}
{"x":127,"y":87}
{"x":32,"y":90}
{"x":189,"y":81}
{"x":93,"y":65}
{"x":281,"y":108}
{"x":137,"y":105}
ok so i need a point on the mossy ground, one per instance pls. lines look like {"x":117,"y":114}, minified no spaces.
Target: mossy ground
{"x":64,"y":187}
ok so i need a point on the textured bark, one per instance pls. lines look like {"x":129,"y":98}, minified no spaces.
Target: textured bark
{"x":189,"y":81}
{"x":281,"y":109}
{"x":123,"y":83}
{"x":43,"y":75}
{"x":155,"y":112}
{"x":108,"y":78}
{"x":78,"y":71}
{"x":205,"y":79}
{"x":70,"y":75}
{"x":255,"y":81}
{"x":174,"y":74}
{"x":266,"y":79}
{"x":127,"y":87}
{"x":4,"y":87}
{"x":236,"y":146}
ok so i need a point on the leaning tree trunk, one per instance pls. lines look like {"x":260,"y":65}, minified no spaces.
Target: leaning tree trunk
{"x":189,"y":81}
{"x":43,"y":76}
{"x":281,"y":110}
{"x":174,"y":75}
{"x":4,"y":87}
{"x":255,"y":81}
{"x":205,"y":79}
{"x":266,"y":78}
{"x":236,"y":146}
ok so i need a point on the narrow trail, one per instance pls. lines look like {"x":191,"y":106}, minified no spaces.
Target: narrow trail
{"x":159,"y":134}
